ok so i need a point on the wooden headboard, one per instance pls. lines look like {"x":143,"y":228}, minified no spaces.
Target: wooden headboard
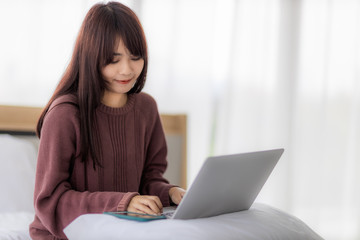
{"x":18,"y":119}
{"x":175,"y":127}
{"x":21,"y":120}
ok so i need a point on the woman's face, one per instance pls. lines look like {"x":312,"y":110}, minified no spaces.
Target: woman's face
{"x":121,"y":74}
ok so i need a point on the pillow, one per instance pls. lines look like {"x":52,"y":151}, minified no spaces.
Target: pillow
{"x":17,"y":173}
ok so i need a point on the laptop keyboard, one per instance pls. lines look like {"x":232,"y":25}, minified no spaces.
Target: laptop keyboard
{"x":168,"y":212}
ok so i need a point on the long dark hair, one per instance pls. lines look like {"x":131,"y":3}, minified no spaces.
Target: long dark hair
{"x":100,"y":32}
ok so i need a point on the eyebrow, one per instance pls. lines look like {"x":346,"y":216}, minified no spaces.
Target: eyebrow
{"x":117,"y":54}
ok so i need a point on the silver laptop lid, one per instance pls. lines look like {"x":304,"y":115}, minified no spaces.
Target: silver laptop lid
{"x":227,"y":184}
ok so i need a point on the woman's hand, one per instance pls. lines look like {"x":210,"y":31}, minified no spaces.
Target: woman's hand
{"x":176,"y":194}
{"x":145,"y":204}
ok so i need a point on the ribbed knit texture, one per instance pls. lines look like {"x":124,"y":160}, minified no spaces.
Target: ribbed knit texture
{"x":133,"y":158}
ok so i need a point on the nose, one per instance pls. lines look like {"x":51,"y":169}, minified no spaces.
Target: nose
{"x":125,"y":68}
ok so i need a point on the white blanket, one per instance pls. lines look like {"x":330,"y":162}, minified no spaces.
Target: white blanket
{"x":259,"y":222}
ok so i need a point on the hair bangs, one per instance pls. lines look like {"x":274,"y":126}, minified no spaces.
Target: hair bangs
{"x":126,"y":27}
{"x":133,"y":43}
{"x":131,"y":33}
{"x":110,"y":38}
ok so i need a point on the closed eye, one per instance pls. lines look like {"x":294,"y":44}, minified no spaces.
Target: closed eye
{"x":135,"y":58}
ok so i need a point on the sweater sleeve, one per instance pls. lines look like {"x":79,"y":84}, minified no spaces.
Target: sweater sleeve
{"x":56,"y":202}
{"x":153,"y":182}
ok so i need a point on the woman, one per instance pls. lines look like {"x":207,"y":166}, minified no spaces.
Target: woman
{"x":102,"y":146}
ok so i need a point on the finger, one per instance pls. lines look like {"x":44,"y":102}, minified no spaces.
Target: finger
{"x":139,"y":211}
{"x":175,"y":195}
{"x":180,"y":196}
{"x":135,"y":205}
{"x":146,"y":204}
{"x":158,"y":202}
{"x":144,"y":208}
{"x":135,"y":210}
{"x":151,"y":203}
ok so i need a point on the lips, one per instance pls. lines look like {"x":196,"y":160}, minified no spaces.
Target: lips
{"x":123,"y":81}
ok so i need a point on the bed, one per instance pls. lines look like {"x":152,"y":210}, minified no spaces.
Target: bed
{"x":18,"y":152}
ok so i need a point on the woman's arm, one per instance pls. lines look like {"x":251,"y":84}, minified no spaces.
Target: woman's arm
{"x":56,"y":202}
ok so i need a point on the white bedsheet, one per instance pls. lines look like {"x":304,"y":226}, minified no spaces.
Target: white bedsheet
{"x":15,"y":225}
{"x":259,"y":222}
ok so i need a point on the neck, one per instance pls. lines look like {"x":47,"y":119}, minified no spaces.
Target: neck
{"x":114,"y":100}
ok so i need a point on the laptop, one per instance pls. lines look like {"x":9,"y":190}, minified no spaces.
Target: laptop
{"x":226,"y":184}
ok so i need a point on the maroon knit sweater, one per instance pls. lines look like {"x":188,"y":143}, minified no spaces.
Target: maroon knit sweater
{"x":133,"y":161}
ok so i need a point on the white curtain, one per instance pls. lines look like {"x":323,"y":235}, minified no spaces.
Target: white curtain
{"x":265,"y":74}
{"x":250,"y":74}
{"x":326,"y":119}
